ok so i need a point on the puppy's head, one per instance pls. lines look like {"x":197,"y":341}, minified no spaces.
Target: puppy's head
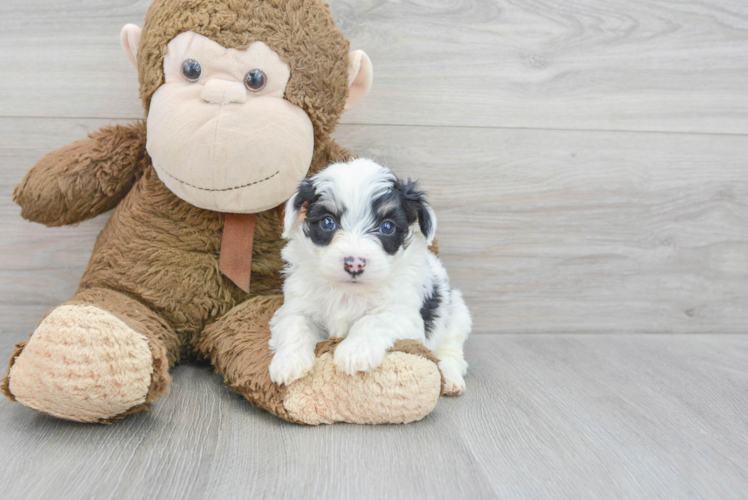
{"x":352,"y":221}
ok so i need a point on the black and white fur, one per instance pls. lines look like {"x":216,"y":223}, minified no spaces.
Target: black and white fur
{"x":347,"y":278}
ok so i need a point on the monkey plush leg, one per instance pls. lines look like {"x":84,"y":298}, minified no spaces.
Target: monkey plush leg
{"x":96,"y":358}
{"x":404,"y":389}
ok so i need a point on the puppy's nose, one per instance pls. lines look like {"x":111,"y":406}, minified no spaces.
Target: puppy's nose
{"x":354,"y":265}
{"x":223,"y":92}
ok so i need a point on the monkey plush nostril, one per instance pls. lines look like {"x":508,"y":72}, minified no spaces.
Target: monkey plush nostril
{"x":224,"y":92}
{"x":354,"y":266}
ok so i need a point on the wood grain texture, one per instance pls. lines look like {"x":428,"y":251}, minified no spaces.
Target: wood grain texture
{"x":547,"y":416}
{"x":587,"y":64}
{"x":544,"y":231}
{"x":524,"y":120}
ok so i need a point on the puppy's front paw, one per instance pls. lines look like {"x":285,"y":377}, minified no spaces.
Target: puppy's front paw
{"x":454,"y":387}
{"x":289,"y":366}
{"x":454,"y":384}
{"x":358,"y":355}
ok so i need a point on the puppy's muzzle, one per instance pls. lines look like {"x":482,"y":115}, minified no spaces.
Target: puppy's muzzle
{"x":354,"y":266}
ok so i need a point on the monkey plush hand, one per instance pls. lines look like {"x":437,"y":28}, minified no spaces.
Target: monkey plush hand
{"x":241,"y":98}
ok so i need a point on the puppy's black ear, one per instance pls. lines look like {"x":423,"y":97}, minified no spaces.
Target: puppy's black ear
{"x":304,"y":195}
{"x":417,"y":208}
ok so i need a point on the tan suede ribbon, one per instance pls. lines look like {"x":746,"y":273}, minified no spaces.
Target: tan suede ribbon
{"x":235,"y":261}
{"x":238,"y":237}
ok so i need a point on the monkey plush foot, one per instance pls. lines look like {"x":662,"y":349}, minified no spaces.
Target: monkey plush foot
{"x":405,"y":388}
{"x":94,"y":359}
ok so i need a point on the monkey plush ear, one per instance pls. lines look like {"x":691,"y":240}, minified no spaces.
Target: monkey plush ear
{"x":130,"y":39}
{"x":360,"y":77}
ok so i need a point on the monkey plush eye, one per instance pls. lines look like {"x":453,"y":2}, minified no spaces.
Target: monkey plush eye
{"x":191,"y":70}
{"x":387,"y":228}
{"x":328,"y":224}
{"x":255,"y":80}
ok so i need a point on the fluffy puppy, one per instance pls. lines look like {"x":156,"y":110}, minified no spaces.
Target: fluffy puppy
{"x":359,"y":268}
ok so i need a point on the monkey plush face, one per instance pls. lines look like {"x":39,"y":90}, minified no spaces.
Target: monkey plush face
{"x":220,"y":133}
{"x":237,"y":107}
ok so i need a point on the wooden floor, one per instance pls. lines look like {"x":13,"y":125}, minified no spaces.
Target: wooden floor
{"x":544,"y":416}
{"x":588,"y":163}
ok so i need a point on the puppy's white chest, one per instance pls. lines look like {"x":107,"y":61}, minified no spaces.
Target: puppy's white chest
{"x":338,"y":327}
{"x":342,"y":314}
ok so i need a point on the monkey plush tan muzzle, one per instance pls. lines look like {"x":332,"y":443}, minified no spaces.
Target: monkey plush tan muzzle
{"x":220,"y":133}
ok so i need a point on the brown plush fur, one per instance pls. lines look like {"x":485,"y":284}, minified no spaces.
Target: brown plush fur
{"x":236,"y":346}
{"x":155,"y":264}
{"x":84,"y":179}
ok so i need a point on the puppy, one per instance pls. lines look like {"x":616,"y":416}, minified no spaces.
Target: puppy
{"x":359,"y":268}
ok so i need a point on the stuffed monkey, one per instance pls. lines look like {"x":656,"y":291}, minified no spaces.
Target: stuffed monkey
{"x":241,"y":97}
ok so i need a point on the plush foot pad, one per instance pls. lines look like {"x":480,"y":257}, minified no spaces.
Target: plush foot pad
{"x":404,"y":389}
{"x":84,"y":364}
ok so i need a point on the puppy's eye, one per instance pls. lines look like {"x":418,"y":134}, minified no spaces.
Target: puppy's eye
{"x":255,"y":80}
{"x":387,"y":228}
{"x":328,"y":224}
{"x":191,"y":70}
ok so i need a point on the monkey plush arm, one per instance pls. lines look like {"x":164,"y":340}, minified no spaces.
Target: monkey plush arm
{"x":84,"y":179}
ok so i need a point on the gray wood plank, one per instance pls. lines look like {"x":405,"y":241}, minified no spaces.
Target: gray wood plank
{"x":544,"y":231}
{"x":609,"y":416}
{"x":545,"y":416}
{"x":589,"y":64}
